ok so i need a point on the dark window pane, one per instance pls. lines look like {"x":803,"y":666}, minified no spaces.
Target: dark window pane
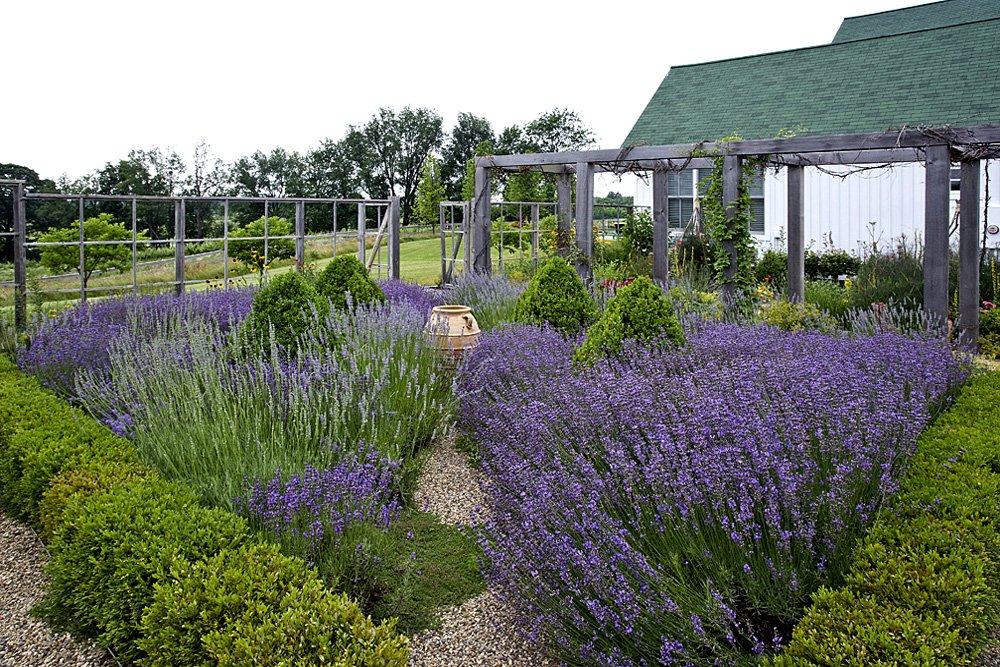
{"x":757,"y":207}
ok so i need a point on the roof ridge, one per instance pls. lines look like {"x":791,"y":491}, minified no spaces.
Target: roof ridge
{"x":900,"y":9}
{"x":842,"y":43}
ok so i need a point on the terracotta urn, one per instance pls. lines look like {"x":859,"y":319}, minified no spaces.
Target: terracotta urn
{"x":452,"y":330}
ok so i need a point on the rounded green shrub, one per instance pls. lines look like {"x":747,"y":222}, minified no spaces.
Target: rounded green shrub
{"x":556,"y":295}
{"x":111,"y":547}
{"x":772,"y":268}
{"x":255,"y":606}
{"x":827,"y":296}
{"x":346,"y":274}
{"x":285,"y":305}
{"x":80,"y":481}
{"x":640,"y":311}
{"x":989,"y":333}
{"x":789,"y":316}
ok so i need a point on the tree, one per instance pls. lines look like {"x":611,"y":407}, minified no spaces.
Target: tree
{"x":430,"y":193}
{"x":208,"y":178}
{"x":469,"y":132}
{"x":43,"y":215}
{"x":274,"y":174}
{"x":66,"y":258}
{"x":329,"y":172}
{"x":252,"y":252}
{"x":469,"y":182}
{"x":389,"y":151}
{"x":553,"y":131}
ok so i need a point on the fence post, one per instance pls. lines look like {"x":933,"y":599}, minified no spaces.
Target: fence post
{"x":394,"y":232}
{"x":534,"y":234}
{"x":661,"y":225}
{"x":83,"y":266}
{"x":300,"y":233}
{"x":585,"y":220}
{"x":179,"y":248}
{"x":361,"y":232}
{"x":20,"y":261}
{"x":481,"y":261}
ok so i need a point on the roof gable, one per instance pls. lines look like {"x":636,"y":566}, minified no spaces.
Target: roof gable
{"x":944,"y":76}
{"x":921,"y":17}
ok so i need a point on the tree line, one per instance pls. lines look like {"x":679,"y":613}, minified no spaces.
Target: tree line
{"x":383,"y":157}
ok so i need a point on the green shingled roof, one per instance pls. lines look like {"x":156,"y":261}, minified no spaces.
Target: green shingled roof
{"x":922,"y":17}
{"x":933,"y":77}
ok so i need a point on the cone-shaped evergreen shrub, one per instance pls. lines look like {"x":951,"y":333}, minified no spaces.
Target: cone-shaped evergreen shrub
{"x":347,"y":274}
{"x":286,"y":304}
{"x":556,"y":295}
{"x":639,"y":310}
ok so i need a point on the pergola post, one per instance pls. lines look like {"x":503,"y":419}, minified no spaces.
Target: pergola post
{"x":394,"y":234}
{"x":20,"y":260}
{"x":661,"y":225}
{"x":585,"y":220}
{"x":968,"y":241}
{"x":564,"y":215}
{"x":731,"y":165}
{"x":481,"y":222}
{"x":180,"y":248}
{"x":936,"y":202}
{"x":300,"y":233}
{"x":796,"y":287}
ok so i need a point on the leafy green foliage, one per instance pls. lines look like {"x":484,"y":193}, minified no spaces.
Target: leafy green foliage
{"x":254,"y":606}
{"x":40,"y":436}
{"x":831,"y":264}
{"x":285,"y":305}
{"x":252,"y":253}
{"x":773,"y":269}
{"x":734,"y":230}
{"x":556,"y":295}
{"x":637,"y":233}
{"x":922,"y":587}
{"x":989,"y":332}
{"x":469,"y":132}
{"x":639,"y":311}
{"x":789,"y":316}
{"x":896,"y":275}
{"x":346,"y":274}
{"x":110,"y":548}
{"x":96,"y":257}
{"x":430,"y":193}
{"x":447,"y":565}
{"x":88,"y":478}
{"x":828,"y":296}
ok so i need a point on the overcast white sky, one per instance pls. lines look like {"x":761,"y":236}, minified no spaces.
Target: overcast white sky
{"x":85,"y":82}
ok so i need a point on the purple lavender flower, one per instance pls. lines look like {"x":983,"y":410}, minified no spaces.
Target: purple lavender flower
{"x":691,"y":498}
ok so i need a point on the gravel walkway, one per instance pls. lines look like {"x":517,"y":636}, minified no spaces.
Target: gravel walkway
{"x":26,"y":641}
{"x":990,"y":657}
{"x":481,"y":632}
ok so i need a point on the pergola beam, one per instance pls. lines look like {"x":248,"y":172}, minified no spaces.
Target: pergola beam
{"x":919,"y":138}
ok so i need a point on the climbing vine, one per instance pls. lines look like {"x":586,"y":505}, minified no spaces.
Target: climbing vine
{"x":733,"y":230}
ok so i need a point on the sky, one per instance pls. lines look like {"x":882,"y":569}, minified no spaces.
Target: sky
{"x":95,"y":79}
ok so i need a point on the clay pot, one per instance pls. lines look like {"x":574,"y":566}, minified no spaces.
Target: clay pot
{"x":452,"y":330}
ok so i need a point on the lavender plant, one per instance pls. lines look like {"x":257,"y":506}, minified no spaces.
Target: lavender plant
{"x":419,"y":297}
{"x":681,"y":507}
{"x":203,"y":411}
{"x":492,"y":299}
{"x":81,"y":337}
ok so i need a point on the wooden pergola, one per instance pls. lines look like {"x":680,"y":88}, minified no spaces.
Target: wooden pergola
{"x":937,"y":148}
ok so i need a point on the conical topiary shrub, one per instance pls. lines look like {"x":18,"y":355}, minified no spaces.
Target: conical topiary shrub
{"x":286,"y":303}
{"x":639,"y":310}
{"x":556,"y":295}
{"x":347,"y":274}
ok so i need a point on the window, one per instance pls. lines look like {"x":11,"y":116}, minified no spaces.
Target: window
{"x":683,"y":186}
{"x":956,"y":179}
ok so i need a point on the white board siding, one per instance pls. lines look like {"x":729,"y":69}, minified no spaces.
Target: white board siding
{"x":841,"y":208}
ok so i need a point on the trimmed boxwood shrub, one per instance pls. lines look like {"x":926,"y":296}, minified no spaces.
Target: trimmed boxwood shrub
{"x":556,"y":295}
{"x":923,"y":586}
{"x":346,"y":274}
{"x":285,"y":305}
{"x":638,"y":311}
{"x":112,"y":545}
{"x":84,"y":480}
{"x":40,"y":435}
{"x":254,"y":606}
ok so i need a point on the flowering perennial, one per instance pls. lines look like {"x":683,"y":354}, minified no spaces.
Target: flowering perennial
{"x":680,"y":507}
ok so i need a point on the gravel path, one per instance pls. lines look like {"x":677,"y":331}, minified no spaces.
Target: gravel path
{"x":990,"y":657}
{"x":26,"y":641}
{"x":481,"y":632}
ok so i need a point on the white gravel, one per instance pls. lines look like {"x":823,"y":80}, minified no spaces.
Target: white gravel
{"x":26,"y":641}
{"x":481,"y":632}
